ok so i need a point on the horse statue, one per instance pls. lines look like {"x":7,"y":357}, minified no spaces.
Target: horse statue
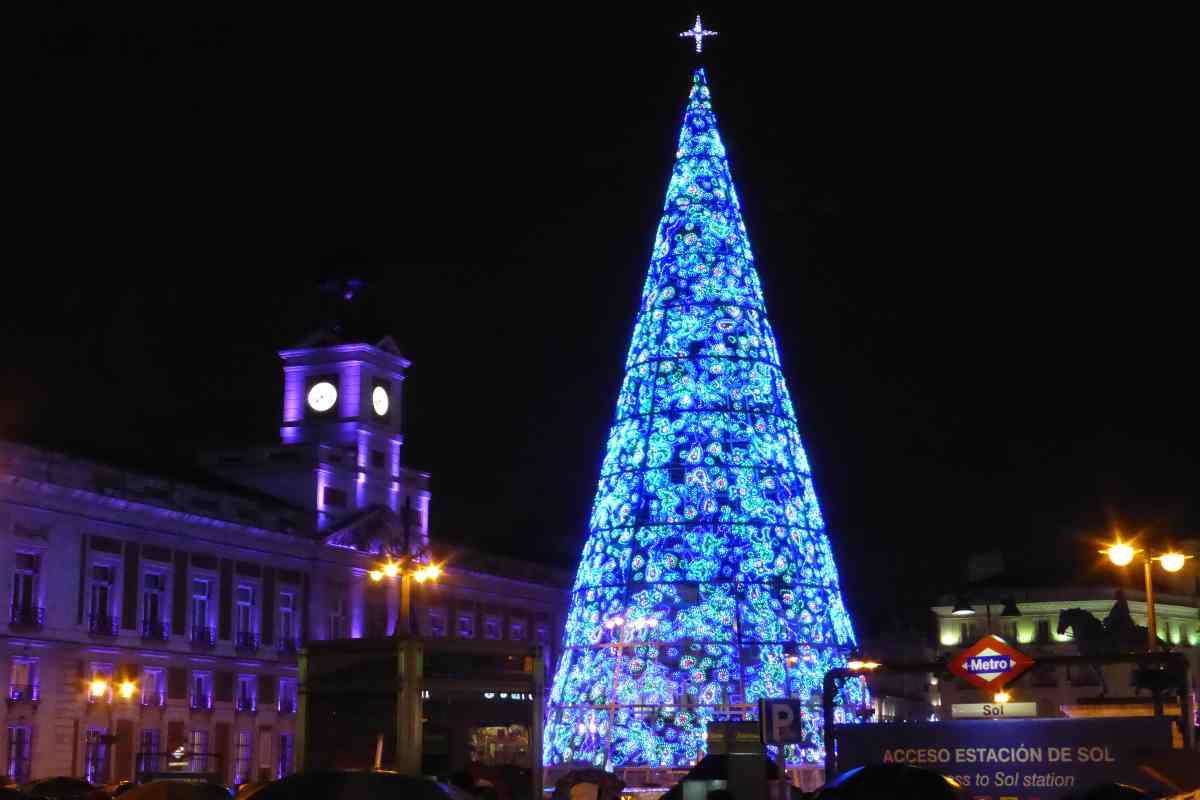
{"x":1117,"y":634}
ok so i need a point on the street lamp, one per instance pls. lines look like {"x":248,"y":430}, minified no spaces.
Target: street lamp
{"x":407,"y":568}
{"x":964,"y":608}
{"x":1122,"y":554}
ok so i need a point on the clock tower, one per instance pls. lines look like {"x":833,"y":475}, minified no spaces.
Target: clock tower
{"x":340,"y":436}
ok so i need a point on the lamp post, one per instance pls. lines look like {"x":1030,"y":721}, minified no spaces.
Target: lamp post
{"x":1123,"y":553}
{"x":406,"y":569}
{"x":99,"y":690}
{"x":964,"y":608}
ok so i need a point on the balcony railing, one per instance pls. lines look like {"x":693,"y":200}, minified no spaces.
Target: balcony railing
{"x":170,"y":762}
{"x":103,"y":625}
{"x":18,"y":693}
{"x":155,"y":630}
{"x":200,"y":702}
{"x":245,"y":704}
{"x":246,"y":640}
{"x":203,"y":638}
{"x":156,"y":700}
{"x":29,"y":618}
{"x":287,"y":706}
{"x":289,"y":645}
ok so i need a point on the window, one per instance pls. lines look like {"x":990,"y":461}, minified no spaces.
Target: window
{"x":1043,"y":630}
{"x":337,"y":615}
{"x":23,"y":679}
{"x":247,"y":690}
{"x":286,"y":755}
{"x":20,"y":752}
{"x":153,"y":584}
{"x":200,"y":597}
{"x":377,"y":460}
{"x":516,"y":630}
{"x":437,"y":623}
{"x":153,"y":686}
{"x":201,"y":690}
{"x":491,"y":628}
{"x":466,"y":626}
{"x":247,"y":613}
{"x":199,"y":747}
{"x":95,"y":755}
{"x":540,"y":634}
{"x":1008,"y":631}
{"x":287,"y":618}
{"x":287,"y":696}
{"x":241,"y":758}
{"x":100,"y":597}
{"x":24,"y":587}
{"x":967,"y":632}
{"x":148,"y":745}
{"x":335,"y":498}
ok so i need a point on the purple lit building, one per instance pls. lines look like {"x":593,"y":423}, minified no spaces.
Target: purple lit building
{"x":150,"y":613}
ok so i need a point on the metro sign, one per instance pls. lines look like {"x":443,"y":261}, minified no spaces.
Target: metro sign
{"x":990,"y":663}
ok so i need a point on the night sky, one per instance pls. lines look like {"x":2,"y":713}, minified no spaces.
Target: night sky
{"x":970,"y":232}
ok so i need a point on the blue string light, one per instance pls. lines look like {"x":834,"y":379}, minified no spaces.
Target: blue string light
{"x":707,"y":581}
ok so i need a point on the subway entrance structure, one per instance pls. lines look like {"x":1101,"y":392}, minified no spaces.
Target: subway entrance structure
{"x":707,"y":580}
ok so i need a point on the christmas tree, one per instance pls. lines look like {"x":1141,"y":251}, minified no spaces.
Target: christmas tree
{"x":707,"y":580}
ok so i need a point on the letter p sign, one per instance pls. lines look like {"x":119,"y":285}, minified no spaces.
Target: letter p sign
{"x":780,"y":721}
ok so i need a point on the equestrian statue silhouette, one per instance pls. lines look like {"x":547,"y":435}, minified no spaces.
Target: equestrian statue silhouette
{"x":1117,"y":634}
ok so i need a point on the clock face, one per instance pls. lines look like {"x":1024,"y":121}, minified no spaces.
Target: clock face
{"x":380,"y":400}
{"x":322,"y":396}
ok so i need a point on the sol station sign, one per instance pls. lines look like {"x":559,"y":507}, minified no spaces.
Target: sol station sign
{"x":990,"y":663}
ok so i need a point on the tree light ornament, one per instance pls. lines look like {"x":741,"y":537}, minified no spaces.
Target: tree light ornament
{"x":698,"y":33}
{"x":705,"y":519}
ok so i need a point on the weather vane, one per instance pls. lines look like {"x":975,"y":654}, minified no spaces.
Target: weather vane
{"x":698,"y":33}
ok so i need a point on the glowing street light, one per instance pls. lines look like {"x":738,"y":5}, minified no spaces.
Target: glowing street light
{"x":127,"y":690}
{"x":1002,"y":697}
{"x":407,"y":568}
{"x":1172,"y":562}
{"x":1122,"y":554}
{"x":98,"y":687}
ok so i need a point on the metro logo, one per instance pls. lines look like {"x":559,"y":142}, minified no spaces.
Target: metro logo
{"x":990,"y":663}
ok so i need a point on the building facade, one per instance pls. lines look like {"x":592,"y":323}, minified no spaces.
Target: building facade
{"x":1041,"y":628}
{"x":151,"y":617}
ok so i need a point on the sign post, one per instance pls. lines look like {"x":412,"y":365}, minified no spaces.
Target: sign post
{"x":780,"y":722}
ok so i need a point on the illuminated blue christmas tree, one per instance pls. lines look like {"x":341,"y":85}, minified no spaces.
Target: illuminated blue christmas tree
{"x":707,"y":580}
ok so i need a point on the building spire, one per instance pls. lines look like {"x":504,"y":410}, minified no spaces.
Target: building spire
{"x":698,"y":33}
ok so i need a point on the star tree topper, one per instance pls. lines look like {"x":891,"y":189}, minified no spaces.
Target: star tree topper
{"x":698,"y":33}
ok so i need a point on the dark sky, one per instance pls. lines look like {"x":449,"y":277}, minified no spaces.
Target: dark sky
{"x":973,"y":234}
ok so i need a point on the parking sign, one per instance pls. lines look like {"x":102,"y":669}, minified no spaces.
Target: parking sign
{"x":780,"y":721}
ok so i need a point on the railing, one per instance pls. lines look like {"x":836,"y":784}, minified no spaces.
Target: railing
{"x":27,"y":692}
{"x":179,"y":761}
{"x":153,"y":700}
{"x":103,"y":625}
{"x":200,"y":702}
{"x":287,"y":706}
{"x":155,"y":630}
{"x":30,"y":618}
{"x":289,"y":645}
{"x":203,"y":638}
{"x":245,"y":704}
{"x":246,"y":640}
